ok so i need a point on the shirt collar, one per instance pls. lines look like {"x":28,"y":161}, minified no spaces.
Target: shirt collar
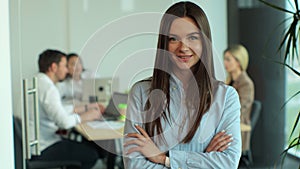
{"x":44,"y":76}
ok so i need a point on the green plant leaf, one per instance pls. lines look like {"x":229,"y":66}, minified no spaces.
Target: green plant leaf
{"x":272,"y":34}
{"x":276,"y":7}
{"x":289,"y":99}
{"x":289,"y":45}
{"x":291,"y":38}
{"x":294,"y":44}
{"x":293,"y":144}
{"x":294,"y":70}
{"x":287,"y":34}
{"x":296,"y":4}
{"x":295,"y":125}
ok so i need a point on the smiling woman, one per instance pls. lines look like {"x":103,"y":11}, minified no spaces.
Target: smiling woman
{"x":183,"y":117}
{"x":68,"y":25}
{"x":184,"y":34}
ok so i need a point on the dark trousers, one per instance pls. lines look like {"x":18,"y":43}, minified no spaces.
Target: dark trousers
{"x":71,"y":151}
{"x":105,"y":149}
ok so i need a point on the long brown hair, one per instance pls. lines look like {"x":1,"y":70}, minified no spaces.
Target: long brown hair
{"x":203,"y":74}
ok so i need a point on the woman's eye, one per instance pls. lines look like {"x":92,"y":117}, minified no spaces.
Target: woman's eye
{"x":173,"y":39}
{"x":193,"y":38}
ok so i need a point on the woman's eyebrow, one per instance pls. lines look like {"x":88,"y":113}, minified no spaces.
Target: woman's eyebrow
{"x":193,"y":33}
{"x":172,"y":35}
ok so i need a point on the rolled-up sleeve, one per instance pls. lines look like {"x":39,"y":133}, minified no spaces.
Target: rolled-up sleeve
{"x":51,"y":103}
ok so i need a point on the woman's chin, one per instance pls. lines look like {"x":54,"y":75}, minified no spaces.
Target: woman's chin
{"x":183,"y":66}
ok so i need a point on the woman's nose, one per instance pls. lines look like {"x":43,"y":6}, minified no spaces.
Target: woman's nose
{"x":183,"y":46}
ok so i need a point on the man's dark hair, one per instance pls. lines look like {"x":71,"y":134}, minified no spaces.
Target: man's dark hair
{"x":48,"y":57}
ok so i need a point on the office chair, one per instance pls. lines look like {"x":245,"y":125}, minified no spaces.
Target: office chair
{"x":254,"y":116}
{"x":30,"y":163}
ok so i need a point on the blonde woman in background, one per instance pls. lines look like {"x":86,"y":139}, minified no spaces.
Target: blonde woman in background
{"x":236,"y":60}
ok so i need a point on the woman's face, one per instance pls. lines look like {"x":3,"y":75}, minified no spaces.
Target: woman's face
{"x":185,"y":43}
{"x":230,"y":63}
{"x":74,"y":66}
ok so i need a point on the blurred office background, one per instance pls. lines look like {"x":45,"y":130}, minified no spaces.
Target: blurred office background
{"x":76,"y":26}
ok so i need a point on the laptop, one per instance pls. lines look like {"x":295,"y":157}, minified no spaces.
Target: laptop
{"x":99,"y":89}
{"x":111,"y":112}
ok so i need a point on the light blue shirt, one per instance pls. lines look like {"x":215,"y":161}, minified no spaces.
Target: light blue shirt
{"x":224,"y":114}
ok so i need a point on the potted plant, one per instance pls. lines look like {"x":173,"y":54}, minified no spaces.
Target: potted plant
{"x":289,"y":46}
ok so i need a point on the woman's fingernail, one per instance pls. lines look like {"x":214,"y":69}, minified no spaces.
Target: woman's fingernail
{"x":135,"y":124}
{"x":229,"y":135}
{"x":229,"y":144}
{"x":223,"y":131}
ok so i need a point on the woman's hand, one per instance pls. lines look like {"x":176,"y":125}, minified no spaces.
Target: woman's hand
{"x":220,"y":142}
{"x":145,"y":146}
{"x":90,"y":115}
{"x":96,"y":106}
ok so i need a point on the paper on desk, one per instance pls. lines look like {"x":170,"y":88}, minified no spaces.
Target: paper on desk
{"x":106,"y":124}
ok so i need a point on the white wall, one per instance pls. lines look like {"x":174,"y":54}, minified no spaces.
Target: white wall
{"x":35,"y":26}
{"x":43,"y":25}
{"x":6,"y":143}
{"x":76,"y":26}
{"x":68,"y":25}
{"x":96,"y":29}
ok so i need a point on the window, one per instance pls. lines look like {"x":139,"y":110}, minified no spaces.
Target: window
{"x":292,"y":86}
{"x":292,"y":107}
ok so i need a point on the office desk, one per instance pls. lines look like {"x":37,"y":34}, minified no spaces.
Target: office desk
{"x":94,"y":134}
{"x":245,"y":127}
{"x":107,"y":138}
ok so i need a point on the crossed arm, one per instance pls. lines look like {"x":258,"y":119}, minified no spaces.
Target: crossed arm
{"x":141,"y":152}
{"x":148,"y":148}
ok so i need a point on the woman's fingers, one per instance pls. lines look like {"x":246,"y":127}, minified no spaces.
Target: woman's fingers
{"x":216,"y":139}
{"x":219,"y":141}
{"x":223,"y":142}
{"x":143,"y":132}
{"x":133,"y":149}
{"x":136,"y":135}
{"x":102,"y":108}
{"x":224,"y":147}
{"x":134,"y":141}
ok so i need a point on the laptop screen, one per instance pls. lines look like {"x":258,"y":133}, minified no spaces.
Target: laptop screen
{"x":112,"y":107}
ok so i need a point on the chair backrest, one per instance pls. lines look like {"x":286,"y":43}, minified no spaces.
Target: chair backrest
{"x":20,"y":161}
{"x":18,"y":142}
{"x":255,"y":113}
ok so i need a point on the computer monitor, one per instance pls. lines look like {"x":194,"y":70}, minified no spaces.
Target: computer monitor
{"x":99,"y":89}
